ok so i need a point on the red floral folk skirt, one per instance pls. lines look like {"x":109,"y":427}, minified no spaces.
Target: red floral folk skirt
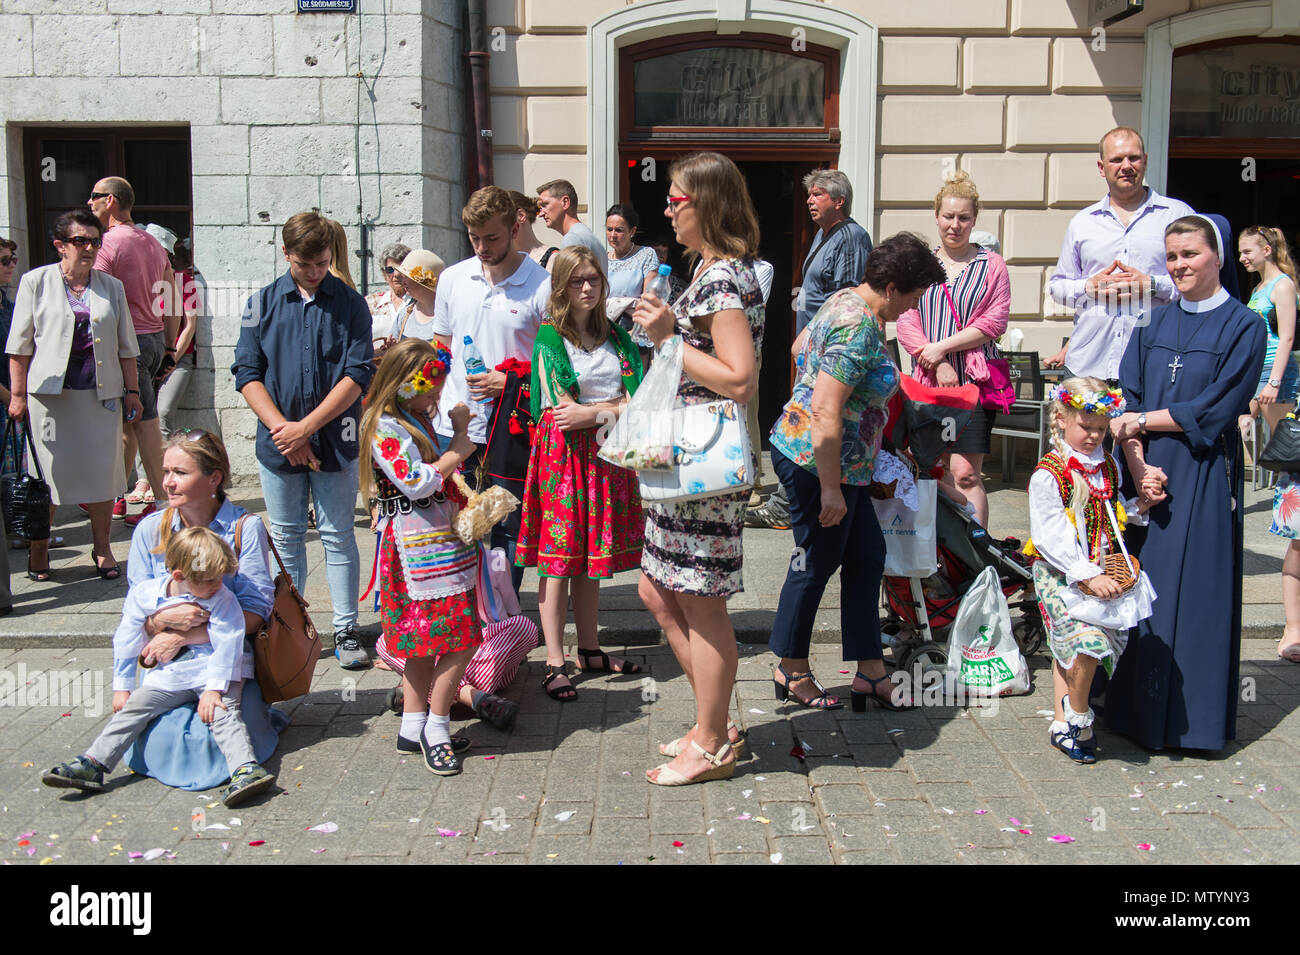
{"x":581,"y":515}
{"x":422,"y":628}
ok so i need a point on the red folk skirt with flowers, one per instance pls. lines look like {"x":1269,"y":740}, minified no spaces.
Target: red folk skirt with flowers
{"x":581,"y":515}
{"x":422,"y":628}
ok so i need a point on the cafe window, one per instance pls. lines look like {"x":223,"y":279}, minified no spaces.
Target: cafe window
{"x":743,"y":87}
{"x":1239,"y":89}
{"x":62,"y":165}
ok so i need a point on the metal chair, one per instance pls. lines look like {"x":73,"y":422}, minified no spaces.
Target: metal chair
{"x":1028,"y":416}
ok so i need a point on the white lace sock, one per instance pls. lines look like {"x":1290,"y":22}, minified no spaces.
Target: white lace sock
{"x":1082,"y":720}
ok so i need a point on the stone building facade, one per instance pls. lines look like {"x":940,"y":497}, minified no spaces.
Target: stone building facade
{"x":277,"y":119}
{"x":1017,"y":92}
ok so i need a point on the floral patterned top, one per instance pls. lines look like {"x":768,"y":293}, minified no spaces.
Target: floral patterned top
{"x":726,"y":284}
{"x":845,"y":341}
{"x":396,"y":457}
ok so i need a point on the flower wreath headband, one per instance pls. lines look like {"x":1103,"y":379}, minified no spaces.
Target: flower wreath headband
{"x":428,"y":375}
{"x":1109,"y":402}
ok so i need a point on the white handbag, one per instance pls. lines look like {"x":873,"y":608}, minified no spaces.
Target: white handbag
{"x":711,"y":454}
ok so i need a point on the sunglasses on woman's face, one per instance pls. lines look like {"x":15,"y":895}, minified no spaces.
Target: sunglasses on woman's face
{"x":84,"y":241}
{"x":389,"y":269}
{"x":8,"y":260}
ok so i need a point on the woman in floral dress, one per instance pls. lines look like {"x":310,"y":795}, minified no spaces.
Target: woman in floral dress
{"x":581,"y":517}
{"x":427,"y":605}
{"x":692,"y":557}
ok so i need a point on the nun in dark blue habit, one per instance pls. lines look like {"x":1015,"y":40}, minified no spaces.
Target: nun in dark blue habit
{"x":1186,"y":376}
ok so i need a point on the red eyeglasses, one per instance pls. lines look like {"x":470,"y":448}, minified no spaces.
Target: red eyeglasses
{"x":677,"y":200}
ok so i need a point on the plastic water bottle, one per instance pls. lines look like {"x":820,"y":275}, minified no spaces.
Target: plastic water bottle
{"x":474,"y":365}
{"x":661,"y":287}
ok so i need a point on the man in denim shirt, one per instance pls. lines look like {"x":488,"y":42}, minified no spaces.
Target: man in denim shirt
{"x":303,"y":360}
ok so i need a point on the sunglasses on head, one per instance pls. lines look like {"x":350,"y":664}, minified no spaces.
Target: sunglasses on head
{"x":84,"y":241}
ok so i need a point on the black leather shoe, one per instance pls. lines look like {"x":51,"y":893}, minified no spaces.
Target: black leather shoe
{"x":458,"y":744}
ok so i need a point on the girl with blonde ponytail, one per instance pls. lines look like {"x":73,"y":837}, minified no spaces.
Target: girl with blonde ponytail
{"x":1076,"y":519}
{"x":1264,"y":251}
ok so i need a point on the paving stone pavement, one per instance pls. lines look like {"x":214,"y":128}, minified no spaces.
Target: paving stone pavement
{"x":935,"y":785}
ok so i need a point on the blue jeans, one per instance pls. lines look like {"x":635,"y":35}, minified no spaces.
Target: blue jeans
{"x":855,"y":546}
{"x":335,"y":496}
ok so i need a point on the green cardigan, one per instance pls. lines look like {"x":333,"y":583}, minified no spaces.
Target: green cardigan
{"x":550,"y":346}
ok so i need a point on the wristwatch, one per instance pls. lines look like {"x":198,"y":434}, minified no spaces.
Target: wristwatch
{"x":1142,"y":422}
{"x":1274,"y":383}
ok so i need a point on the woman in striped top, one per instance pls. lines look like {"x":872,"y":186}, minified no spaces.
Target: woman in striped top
{"x":950,"y":333}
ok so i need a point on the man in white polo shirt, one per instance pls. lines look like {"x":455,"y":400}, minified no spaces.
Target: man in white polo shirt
{"x":497,"y":297}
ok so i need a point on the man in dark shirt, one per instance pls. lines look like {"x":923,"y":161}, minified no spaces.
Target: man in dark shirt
{"x":836,"y":260}
{"x":303,"y":359}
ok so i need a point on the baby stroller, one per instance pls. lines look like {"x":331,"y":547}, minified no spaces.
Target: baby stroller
{"x":921,"y":610}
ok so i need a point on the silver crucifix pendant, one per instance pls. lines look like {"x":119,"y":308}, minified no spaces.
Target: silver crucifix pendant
{"x":1173,"y":368}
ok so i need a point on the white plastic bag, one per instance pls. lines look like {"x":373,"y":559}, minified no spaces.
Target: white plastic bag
{"x":983,"y":657}
{"x":642,"y":439}
{"x":910,"y":535}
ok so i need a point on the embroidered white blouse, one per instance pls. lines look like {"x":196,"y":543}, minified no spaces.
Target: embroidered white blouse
{"x":1061,"y":544}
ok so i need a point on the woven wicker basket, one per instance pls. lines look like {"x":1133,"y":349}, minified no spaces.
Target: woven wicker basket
{"x":1123,"y":572}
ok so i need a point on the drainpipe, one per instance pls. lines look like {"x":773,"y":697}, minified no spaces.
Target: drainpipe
{"x":479,"y":138}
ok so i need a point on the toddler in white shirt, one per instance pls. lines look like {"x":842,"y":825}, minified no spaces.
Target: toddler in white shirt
{"x":212,"y":673}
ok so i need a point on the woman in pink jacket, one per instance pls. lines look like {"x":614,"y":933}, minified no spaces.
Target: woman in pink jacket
{"x":950,"y":333}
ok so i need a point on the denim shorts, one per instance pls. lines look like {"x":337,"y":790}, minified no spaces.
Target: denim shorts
{"x":153,"y":348}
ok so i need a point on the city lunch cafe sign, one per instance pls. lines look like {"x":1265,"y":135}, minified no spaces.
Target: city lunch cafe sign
{"x":1251,"y":90}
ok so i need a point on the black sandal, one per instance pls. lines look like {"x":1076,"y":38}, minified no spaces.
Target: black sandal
{"x":39,"y":576}
{"x":605,"y":667}
{"x":106,"y":573}
{"x":565,"y":694}
{"x":821,"y":701}
{"x":860,"y":699}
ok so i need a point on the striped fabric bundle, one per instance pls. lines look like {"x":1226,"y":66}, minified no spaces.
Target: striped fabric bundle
{"x":435,"y":562}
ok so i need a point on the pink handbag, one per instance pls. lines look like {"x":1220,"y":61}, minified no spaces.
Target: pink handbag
{"x":997,"y":393}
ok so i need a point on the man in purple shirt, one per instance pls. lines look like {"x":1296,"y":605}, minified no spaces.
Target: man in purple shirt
{"x":1112,"y":265}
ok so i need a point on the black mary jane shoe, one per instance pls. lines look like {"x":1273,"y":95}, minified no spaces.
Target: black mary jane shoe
{"x":459,"y":744}
{"x":440,"y":759}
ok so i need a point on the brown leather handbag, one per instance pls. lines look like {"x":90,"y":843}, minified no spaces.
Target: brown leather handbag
{"x":287,"y":647}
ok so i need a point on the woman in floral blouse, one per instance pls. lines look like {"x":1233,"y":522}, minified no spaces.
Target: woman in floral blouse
{"x":692,"y":557}
{"x":427,"y":606}
{"x":824,"y":449}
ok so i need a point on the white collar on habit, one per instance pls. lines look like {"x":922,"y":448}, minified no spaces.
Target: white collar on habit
{"x":1205,"y":304}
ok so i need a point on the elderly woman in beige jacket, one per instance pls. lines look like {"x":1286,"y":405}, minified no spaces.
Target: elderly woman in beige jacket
{"x":72,"y":352}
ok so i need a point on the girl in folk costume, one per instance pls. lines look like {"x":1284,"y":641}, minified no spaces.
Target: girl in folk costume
{"x":581,"y":515}
{"x":427,"y":574}
{"x":1077,"y":520}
